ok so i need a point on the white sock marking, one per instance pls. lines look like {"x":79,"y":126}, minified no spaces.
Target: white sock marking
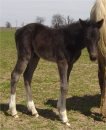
{"x":62,"y":111}
{"x":12,"y":104}
{"x":63,"y":116}
{"x":31,"y":108}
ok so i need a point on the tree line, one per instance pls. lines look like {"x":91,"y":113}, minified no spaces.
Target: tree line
{"x":56,"y":21}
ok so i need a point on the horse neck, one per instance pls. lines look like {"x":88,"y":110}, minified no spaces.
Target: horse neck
{"x":103,"y":2}
{"x":76,"y":37}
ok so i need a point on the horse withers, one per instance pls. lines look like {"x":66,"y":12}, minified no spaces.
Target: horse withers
{"x":62,"y":46}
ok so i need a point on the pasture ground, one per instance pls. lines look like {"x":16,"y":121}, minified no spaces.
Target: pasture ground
{"x":83,"y":97}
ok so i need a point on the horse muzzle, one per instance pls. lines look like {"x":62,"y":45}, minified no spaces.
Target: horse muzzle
{"x":93,"y":57}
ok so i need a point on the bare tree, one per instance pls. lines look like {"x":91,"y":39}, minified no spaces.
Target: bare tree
{"x":8,"y":25}
{"x":69,"y":20}
{"x":58,"y":20}
{"x":40,"y":19}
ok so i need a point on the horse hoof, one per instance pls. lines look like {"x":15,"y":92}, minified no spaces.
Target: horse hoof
{"x":16,"y":116}
{"x":67,"y":124}
{"x":35,"y":114}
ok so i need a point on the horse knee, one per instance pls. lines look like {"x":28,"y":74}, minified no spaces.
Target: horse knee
{"x":14,"y":77}
{"x":64,"y":90}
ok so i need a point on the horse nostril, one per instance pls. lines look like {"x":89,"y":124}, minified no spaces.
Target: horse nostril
{"x":93,"y":57}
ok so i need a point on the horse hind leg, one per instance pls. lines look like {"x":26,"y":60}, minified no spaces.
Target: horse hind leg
{"x":27,"y":81}
{"x":18,"y":70}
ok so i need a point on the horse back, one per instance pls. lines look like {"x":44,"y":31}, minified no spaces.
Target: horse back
{"x":46,"y":42}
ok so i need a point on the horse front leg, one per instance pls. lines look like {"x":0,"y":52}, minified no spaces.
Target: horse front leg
{"x":61,"y":104}
{"x":101,"y":72}
{"x":103,"y":96}
{"x":70,"y":66}
{"x":102,"y":83}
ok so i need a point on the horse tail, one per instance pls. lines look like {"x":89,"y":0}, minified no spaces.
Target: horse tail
{"x":19,"y":40}
{"x":18,"y":36}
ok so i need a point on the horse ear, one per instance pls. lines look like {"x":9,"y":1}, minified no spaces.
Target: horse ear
{"x":83,"y":23}
{"x":99,"y":23}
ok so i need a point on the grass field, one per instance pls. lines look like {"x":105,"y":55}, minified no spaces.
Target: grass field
{"x":83,"y":97}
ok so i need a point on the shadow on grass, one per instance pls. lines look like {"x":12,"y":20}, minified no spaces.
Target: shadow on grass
{"x":46,"y":113}
{"x":76,"y":103}
{"x":82,"y":104}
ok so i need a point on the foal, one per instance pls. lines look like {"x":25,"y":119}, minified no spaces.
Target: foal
{"x":62,"y":45}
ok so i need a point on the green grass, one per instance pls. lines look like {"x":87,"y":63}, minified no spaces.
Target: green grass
{"x":82,"y":100}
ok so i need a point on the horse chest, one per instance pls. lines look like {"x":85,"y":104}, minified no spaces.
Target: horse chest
{"x":75,"y":56}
